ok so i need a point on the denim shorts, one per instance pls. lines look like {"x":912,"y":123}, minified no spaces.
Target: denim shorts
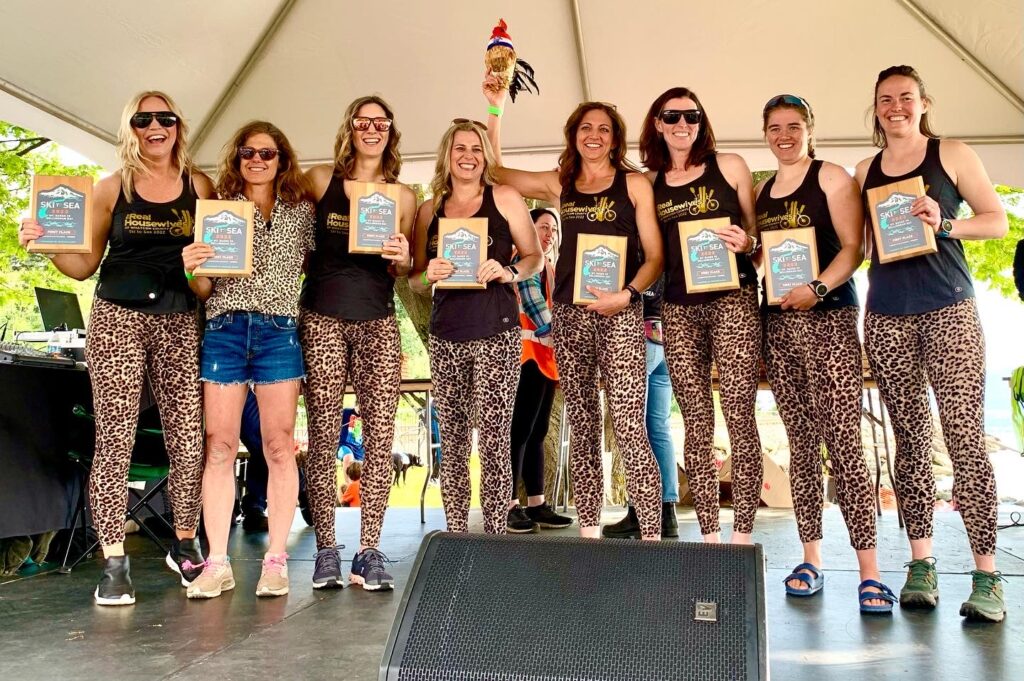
{"x":251,"y":347}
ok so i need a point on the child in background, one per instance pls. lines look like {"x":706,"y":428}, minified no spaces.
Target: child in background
{"x":349,"y":494}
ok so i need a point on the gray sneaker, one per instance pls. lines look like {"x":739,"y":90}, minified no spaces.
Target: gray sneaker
{"x":368,"y":571}
{"x":327,"y":569}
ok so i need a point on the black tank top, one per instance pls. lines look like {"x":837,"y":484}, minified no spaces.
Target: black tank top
{"x":926,"y":282}
{"x":805,"y":207}
{"x":146,"y":240}
{"x":608,"y":213}
{"x":708,"y":196}
{"x":351,"y":286}
{"x":469,"y":314}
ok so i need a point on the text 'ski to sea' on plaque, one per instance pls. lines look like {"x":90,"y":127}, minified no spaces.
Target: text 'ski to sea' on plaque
{"x":898,"y":234}
{"x":463,"y":241}
{"x":791,"y":260}
{"x":373,"y":216}
{"x":228,"y":227}
{"x":707,"y":264}
{"x":600,"y":264}
{"x":63,"y":207}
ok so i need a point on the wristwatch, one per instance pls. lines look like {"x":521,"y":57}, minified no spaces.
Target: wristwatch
{"x":820,"y":288}
{"x":945,"y":227}
{"x":634,"y":295}
{"x":754,"y":245}
{"x":515,"y":272}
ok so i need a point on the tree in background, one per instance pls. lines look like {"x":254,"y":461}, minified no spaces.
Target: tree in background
{"x":22,"y":155}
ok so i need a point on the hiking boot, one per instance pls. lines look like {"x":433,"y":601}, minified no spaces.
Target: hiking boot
{"x":922,"y":587}
{"x":185,"y":558}
{"x":627,"y":528}
{"x":115,"y":587}
{"x":368,"y":571}
{"x":518,"y":522}
{"x":545,"y":517}
{"x":986,"y":601}
{"x":255,"y":519}
{"x":669,"y":522}
{"x":327,"y":569}
{"x":215,"y":579}
{"x":274,"y":577}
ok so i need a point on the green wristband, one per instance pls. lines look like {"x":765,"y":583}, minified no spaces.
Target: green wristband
{"x":189,"y":275}
{"x":494,"y":110}
{"x":423,"y":278}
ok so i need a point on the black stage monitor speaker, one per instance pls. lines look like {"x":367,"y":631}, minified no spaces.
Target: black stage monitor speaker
{"x":508,"y":608}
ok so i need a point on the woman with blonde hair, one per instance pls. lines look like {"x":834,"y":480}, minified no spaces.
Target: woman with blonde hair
{"x":251,"y":339}
{"x":475,"y":340}
{"x":142,"y":323}
{"x":349,"y":331}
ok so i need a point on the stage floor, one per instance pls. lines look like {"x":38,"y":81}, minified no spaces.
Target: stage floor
{"x":49,"y":627}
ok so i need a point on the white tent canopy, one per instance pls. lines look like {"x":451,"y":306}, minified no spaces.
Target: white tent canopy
{"x":67,"y":68}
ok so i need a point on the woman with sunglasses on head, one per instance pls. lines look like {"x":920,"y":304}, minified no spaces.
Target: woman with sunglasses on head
{"x":692,"y":181}
{"x":599,"y":192}
{"x":251,"y":339}
{"x":921,"y":327}
{"x":142,"y":323}
{"x":475,"y":341}
{"x":349,"y":332}
{"x":812,"y":351}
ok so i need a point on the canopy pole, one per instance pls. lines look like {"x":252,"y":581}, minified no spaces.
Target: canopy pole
{"x":581,"y":51}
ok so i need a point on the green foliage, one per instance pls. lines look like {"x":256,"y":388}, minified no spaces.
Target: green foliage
{"x":991,"y":261}
{"x":19,"y":270}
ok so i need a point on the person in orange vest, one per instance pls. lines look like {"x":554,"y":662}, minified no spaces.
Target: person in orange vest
{"x":537,"y":382}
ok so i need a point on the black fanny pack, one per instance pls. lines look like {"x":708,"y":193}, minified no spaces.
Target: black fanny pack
{"x":130,"y":282}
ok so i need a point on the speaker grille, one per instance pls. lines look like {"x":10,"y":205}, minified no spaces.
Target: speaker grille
{"x":512,"y":608}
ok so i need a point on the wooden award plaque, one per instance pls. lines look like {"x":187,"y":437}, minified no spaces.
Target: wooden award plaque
{"x":707,"y":264}
{"x":373,"y":215}
{"x":898,"y":234}
{"x":463,"y":241}
{"x":228,"y":227}
{"x":790,"y":260}
{"x":601,"y":264}
{"x":62,"y":205}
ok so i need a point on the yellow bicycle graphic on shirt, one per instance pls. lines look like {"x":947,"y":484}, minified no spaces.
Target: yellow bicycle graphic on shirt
{"x":794,"y":216}
{"x":602,"y":211}
{"x":704,"y":201}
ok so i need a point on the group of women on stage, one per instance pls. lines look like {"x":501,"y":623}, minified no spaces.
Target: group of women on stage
{"x":921,"y":327}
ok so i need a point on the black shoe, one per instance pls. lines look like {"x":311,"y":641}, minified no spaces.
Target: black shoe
{"x":518,"y":522}
{"x":185,"y":558}
{"x":115,"y":587}
{"x":669,"y":522}
{"x":255,"y":520}
{"x":307,"y":515}
{"x":546,"y":517}
{"x":627,"y":528}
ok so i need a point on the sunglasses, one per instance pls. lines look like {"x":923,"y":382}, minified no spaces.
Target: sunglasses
{"x":460,"y":121}
{"x":166,"y":119}
{"x":792,"y":100}
{"x":246,"y":153}
{"x":362,"y":123}
{"x":672,"y":116}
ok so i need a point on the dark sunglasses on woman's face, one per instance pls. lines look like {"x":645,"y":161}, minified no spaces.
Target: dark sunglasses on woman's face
{"x":166,"y":119}
{"x":672,"y":116}
{"x":362,"y":123}
{"x":246,"y":153}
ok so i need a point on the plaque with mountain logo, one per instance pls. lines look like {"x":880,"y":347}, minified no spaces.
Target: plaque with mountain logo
{"x":62,"y":206}
{"x":600,"y":264}
{"x":898,"y":234}
{"x":791,"y":260}
{"x":707,"y":264}
{"x":228,"y":227}
{"x":373,"y":215}
{"x":463,"y":241}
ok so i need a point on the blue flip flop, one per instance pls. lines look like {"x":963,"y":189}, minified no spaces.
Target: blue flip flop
{"x":814,"y":583}
{"x":884,"y":593}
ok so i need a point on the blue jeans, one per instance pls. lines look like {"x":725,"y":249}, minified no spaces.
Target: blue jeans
{"x":251,"y":347}
{"x":659,"y":409}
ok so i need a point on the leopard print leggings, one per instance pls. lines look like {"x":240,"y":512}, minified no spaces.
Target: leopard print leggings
{"x":122,"y":347}
{"x":813,"y":359}
{"x":584,"y":343}
{"x":728,"y":331}
{"x":944,"y":348}
{"x":475,"y":383}
{"x":368,"y":353}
